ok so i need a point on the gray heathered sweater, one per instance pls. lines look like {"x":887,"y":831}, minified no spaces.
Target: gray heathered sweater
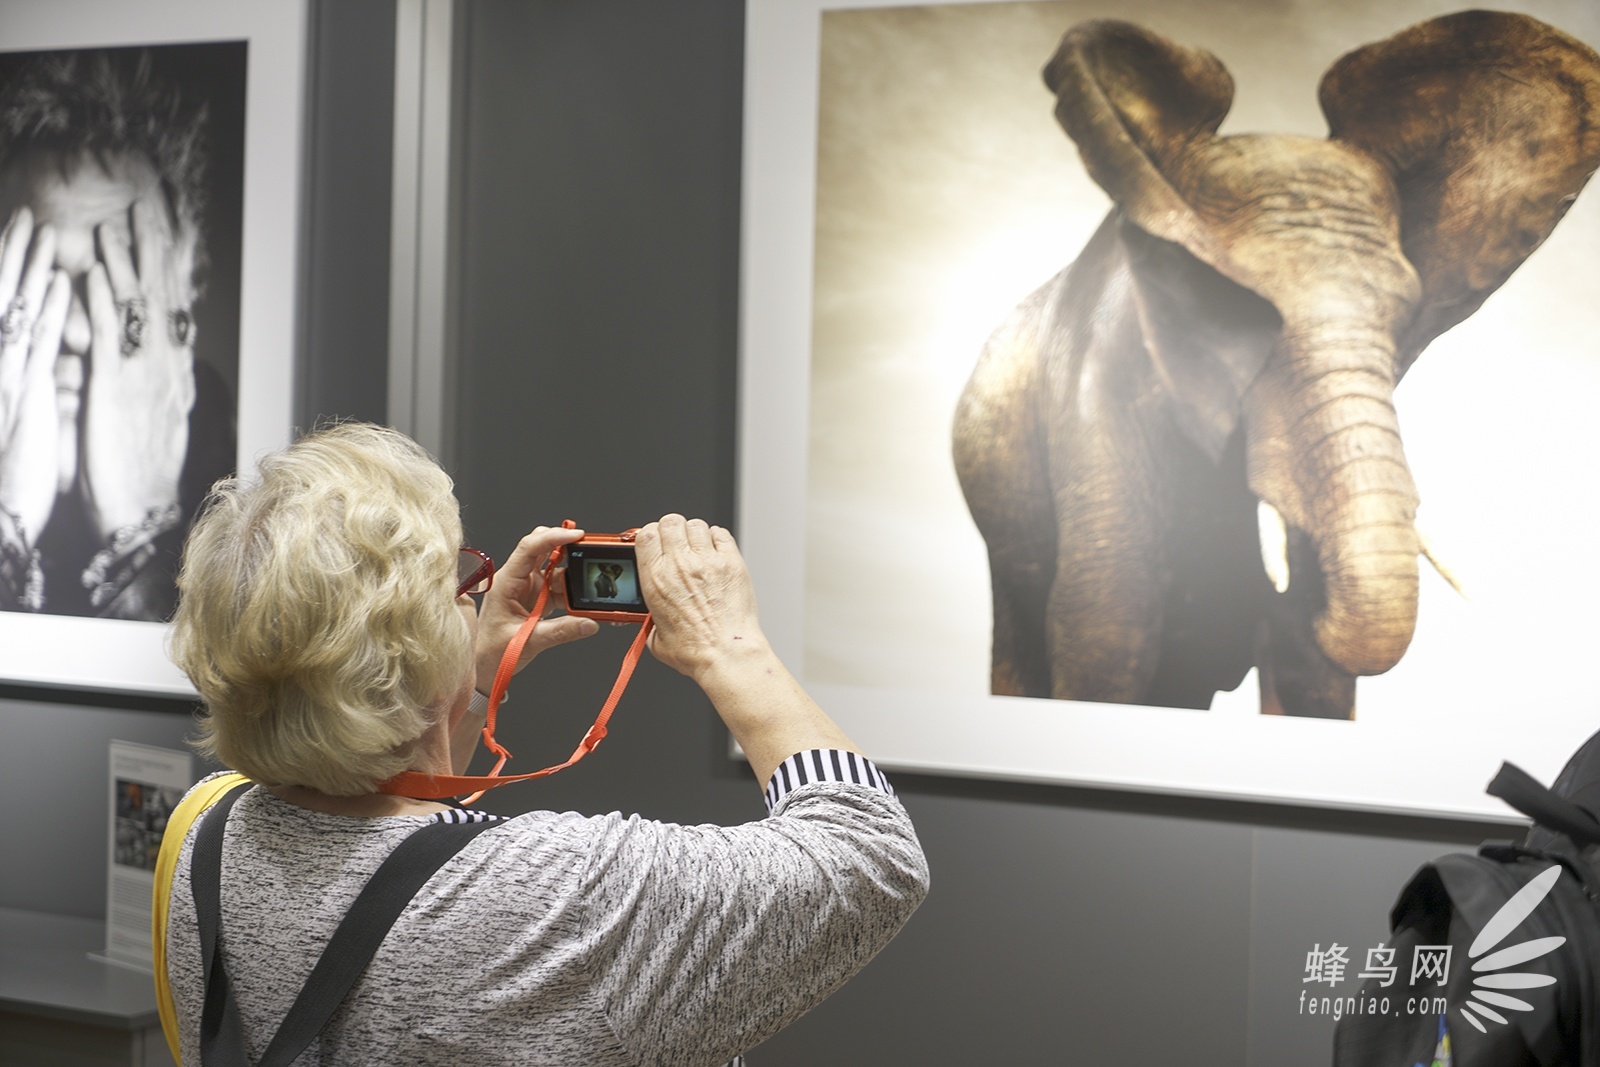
{"x":558,"y":939}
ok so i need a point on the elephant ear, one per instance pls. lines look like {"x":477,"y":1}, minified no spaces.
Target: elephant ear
{"x":1135,"y":103}
{"x":1208,"y":337}
{"x":1490,"y":124}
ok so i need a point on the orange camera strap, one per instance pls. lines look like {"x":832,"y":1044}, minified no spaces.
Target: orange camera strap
{"x":419,"y":785}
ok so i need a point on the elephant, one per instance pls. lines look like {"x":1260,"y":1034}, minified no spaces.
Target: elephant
{"x":1182,"y":451}
{"x":605,"y":580}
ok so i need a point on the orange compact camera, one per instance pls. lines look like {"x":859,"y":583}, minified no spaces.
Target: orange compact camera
{"x":603,"y":578}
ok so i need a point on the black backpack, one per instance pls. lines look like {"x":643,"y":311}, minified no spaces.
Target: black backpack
{"x":1519,"y":925}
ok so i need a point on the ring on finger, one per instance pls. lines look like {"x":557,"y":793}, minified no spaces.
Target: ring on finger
{"x":15,"y":323}
{"x":132,"y":315}
{"x":180,"y":324}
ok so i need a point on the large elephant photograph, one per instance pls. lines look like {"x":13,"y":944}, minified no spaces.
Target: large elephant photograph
{"x":1213,"y":381}
{"x":1183,"y":451}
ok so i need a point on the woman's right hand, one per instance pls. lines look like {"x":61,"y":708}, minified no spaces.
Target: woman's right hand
{"x":510,"y":600}
{"x":34,"y":298}
{"x":700,"y":595}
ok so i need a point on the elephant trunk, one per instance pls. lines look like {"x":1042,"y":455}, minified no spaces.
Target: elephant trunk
{"x":1333,"y":463}
{"x":1369,"y":568}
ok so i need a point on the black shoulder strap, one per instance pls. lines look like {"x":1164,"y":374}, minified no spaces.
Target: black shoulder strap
{"x":1524,"y":792}
{"x":355,"y":941}
{"x":363,"y":929}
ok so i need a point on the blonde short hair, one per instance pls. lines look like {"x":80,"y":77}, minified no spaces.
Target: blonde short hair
{"x":315,"y":614}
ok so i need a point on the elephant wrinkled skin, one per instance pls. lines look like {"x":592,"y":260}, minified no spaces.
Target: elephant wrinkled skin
{"x":1215,"y":373}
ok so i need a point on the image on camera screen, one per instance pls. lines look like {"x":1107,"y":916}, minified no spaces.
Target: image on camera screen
{"x":610,"y":581}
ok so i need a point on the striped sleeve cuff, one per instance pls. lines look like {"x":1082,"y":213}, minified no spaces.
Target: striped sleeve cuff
{"x":823,"y":765}
{"x":464,"y":816}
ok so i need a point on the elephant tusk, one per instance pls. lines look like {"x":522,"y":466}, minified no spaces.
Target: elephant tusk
{"x":1425,"y":547}
{"x":1274,"y":545}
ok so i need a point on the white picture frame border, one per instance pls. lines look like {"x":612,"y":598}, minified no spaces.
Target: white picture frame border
{"x":110,"y":655}
{"x":1325,"y":764}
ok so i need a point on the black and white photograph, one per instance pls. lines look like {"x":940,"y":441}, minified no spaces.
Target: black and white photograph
{"x":150,"y":233}
{"x":121,"y":181}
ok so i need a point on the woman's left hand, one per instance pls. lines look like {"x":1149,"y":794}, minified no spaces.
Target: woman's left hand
{"x":141,"y":374}
{"x":510,"y":599}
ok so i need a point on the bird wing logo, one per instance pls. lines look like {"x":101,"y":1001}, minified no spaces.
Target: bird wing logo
{"x":1493,"y":974}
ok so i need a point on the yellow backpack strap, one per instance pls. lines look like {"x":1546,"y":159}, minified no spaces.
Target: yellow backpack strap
{"x":194,"y":805}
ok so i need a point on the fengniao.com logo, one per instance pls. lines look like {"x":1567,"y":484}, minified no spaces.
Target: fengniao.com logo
{"x":1493,"y":975}
{"x":1493,"y":988}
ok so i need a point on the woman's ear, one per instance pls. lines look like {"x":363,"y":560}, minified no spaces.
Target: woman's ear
{"x":456,"y":705}
{"x":1490,"y":124}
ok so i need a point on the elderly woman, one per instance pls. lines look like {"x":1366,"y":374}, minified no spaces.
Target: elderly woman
{"x":323,"y":620}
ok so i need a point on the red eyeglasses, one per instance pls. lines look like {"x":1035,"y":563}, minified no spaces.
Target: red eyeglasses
{"x":474,"y":572}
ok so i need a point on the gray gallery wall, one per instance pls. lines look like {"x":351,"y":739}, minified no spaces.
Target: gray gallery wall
{"x":598,"y":303}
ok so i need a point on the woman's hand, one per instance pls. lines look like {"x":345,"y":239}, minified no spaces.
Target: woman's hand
{"x":510,"y":599}
{"x":700,"y":595}
{"x":704,"y":606}
{"x":34,"y":298}
{"x":141,"y":376}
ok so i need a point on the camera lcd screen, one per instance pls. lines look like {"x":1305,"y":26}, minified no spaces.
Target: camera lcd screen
{"x":603,"y":578}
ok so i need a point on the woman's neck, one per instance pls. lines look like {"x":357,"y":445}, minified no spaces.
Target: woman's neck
{"x":362,"y":806}
{"x":429,"y":753}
